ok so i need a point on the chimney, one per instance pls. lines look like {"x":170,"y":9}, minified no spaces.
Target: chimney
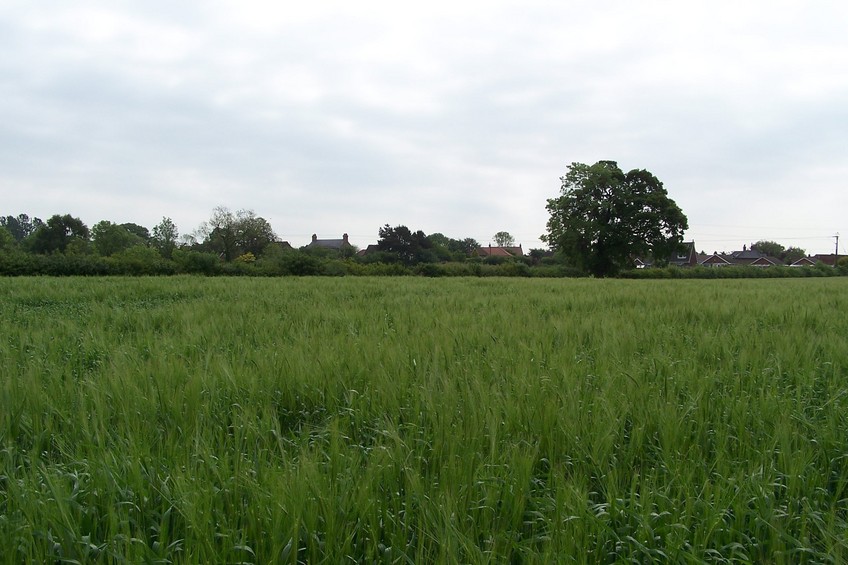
{"x":344,"y":238}
{"x":314,"y":238}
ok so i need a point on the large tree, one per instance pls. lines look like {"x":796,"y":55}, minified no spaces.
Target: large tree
{"x":604,"y":218}
{"x":254,"y":232}
{"x":109,"y":238}
{"x":58,"y":234}
{"x":770,"y":248}
{"x":448,"y":248}
{"x":410,"y":247}
{"x":504,"y":239}
{"x":138,"y":230}
{"x":774,"y":249}
{"x":231,"y":234}
{"x":20,"y":226}
{"x":7,"y":240}
{"x":164,"y":237}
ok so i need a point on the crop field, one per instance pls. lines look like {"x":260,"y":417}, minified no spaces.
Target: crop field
{"x":412,"y":420}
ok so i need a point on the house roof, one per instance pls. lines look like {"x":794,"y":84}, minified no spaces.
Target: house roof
{"x":828,"y":259}
{"x":491,"y":251}
{"x":714,"y":259}
{"x":685,"y":256}
{"x":765,"y":261}
{"x":329,"y":243}
{"x":371,"y":248}
{"x":746,"y":255}
{"x":803,"y":262}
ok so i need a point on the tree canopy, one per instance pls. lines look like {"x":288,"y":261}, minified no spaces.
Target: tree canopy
{"x":504,"y":239}
{"x":450,"y":249}
{"x":604,"y":218}
{"x":58,"y":234}
{"x":164,"y":237}
{"x":232,"y":234}
{"x":410,"y":247}
{"x":109,"y":238}
{"x":20,"y":226}
{"x":774,"y":249}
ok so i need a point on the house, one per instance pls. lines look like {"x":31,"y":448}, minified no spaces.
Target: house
{"x":371,"y":248}
{"x":686,"y":256}
{"x":714,"y":260}
{"x":642,"y":263}
{"x":803,"y":262}
{"x":746,"y":257}
{"x":765,"y":261}
{"x":828,"y":259}
{"x":753,"y":258}
{"x":335,"y":244}
{"x":284,"y":245}
{"x":498,"y":251}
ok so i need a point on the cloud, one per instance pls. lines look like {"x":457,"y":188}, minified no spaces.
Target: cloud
{"x":450,"y":117}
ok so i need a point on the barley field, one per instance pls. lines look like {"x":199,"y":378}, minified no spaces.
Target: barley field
{"x":411,"y":420}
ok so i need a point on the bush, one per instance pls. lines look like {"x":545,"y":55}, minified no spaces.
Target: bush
{"x":196,"y":262}
{"x":17,"y":263}
{"x":378,"y":269}
{"x":140,"y":260}
{"x":730,"y":272}
{"x":59,"y":265}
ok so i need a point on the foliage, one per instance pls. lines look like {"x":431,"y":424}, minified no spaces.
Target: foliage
{"x":20,"y":226}
{"x":141,"y":260}
{"x":165,"y":236}
{"x":255,"y":233}
{"x":769,"y":248}
{"x":503,"y":239}
{"x":109,"y":238}
{"x":408,"y":420}
{"x":774,"y":249}
{"x":57,"y":234}
{"x":140,"y":231}
{"x":604,"y":218}
{"x":731,"y":272}
{"x":792,"y":254}
{"x":410,"y":248}
{"x":196,"y":262}
{"x":7,"y":240}
{"x":231,"y":234}
{"x":450,"y":249}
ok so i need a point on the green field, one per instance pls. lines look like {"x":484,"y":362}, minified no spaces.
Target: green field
{"x":411,"y":420}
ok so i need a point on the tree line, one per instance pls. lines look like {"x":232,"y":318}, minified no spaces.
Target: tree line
{"x":240,"y":242}
{"x":603,"y":220}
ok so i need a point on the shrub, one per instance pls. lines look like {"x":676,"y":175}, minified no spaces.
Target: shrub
{"x":140,"y":260}
{"x":196,"y":262}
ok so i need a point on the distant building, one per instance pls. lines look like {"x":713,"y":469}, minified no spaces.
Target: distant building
{"x":335,"y":244}
{"x":686,"y":256}
{"x":828,"y":259}
{"x":369,"y":249}
{"x":491,"y":251}
{"x":803,"y":262}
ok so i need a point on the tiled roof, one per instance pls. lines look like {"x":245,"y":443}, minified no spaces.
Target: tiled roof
{"x":500,"y":251}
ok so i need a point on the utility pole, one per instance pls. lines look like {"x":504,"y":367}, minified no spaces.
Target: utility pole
{"x":836,"y":251}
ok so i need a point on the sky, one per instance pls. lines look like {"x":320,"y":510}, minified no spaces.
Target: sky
{"x":457,"y":117}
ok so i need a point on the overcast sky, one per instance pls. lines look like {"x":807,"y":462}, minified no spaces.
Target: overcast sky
{"x":454,"y":117}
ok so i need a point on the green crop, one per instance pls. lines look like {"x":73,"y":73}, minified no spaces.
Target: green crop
{"x":407,"y":420}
